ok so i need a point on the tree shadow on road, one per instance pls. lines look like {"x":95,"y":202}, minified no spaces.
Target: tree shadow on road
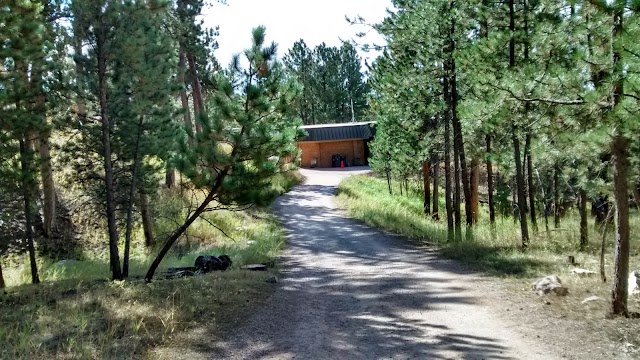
{"x":350,"y":291}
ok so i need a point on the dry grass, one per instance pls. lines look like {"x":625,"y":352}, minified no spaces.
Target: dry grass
{"x":98,"y":319}
{"x":78,"y":313}
{"x":498,"y":253}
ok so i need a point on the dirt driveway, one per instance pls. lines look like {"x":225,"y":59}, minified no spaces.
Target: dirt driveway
{"x":352,"y":292}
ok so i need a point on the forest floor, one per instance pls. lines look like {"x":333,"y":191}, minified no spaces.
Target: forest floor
{"x":353,"y":292}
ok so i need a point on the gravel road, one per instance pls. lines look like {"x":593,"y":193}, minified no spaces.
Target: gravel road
{"x":352,"y":292}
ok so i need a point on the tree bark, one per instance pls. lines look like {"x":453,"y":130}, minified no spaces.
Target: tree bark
{"x":184,"y":99}
{"x":458,"y":141}
{"x":48,"y":185}
{"x":530,"y":183}
{"x":619,"y":147}
{"x":621,"y":195}
{"x":132,"y":194}
{"x":492,"y":209}
{"x":28,"y":211}
{"x":520,"y":188}
{"x":114,"y":257}
{"x":475,"y":183}
{"x":556,"y":197}
{"x":435,"y":212}
{"x":2,"y":283}
{"x":584,"y":229}
{"x":170,"y":177}
{"x":447,"y":166}
{"x":426,"y":177}
{"x":198,"y":105}
{"x":147,"y":220}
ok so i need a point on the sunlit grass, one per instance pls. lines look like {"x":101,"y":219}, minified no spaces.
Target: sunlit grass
{"x":497,"y":250}
{"x":76,"y":312}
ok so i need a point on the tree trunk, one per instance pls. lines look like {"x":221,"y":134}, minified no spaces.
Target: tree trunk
{"x":435,"y":215}
{"x":198,"y":105}
{"x":114,"y":257}
{"x":184,"y":99}
{"x":530,"y":183}
{"x":447,"y":166}
{"x":147,"y":220}
{"x":492,"y":209}
{"x":584,"y":229}
{"x":475,"y":184}
{"x":457,"y":214}
{"x":620,"y":148}
{"x":621,"y":195}
{"x":132,"y":195}
{"x":27,"y":190}
{"x":389,"y":182}
{"x":556,"y":197}
{"x":2,"y":284}
{"x":48,"y":185}
{"x":426,"y":177}
{"x":170,"y":177}
{"x":179,"y":231}
{"x":520,"y":188}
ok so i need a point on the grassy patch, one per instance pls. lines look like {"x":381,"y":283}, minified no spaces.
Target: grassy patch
{"x":78,"y":313}
{"x":496,"y":251}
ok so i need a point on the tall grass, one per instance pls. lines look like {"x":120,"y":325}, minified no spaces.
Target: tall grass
{"x":495,"y":250}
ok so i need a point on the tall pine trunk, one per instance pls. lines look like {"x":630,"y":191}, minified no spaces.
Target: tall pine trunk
{"x":198,"y":102}
{"x":147,"y":220}
{"x":584,"y":229}
{"x":447,"y":164}
{"x":426,"y":178}
{"x":619,"y":149}
{"x":2,"y":284}
{"x":519,"y":176}
{"x":48,"y":184}
{"x":435,"y":211}
{"x":492,"y":209}
{"x":475,"y":184}
{"x":556,"y":197}
{"x":114,"y":257}
{"x":184,"y":99}
{"x":524,"y":230}
{"x":458,"y":142}
{"x":132,"y":195}
{"x":530,"y":183}
{"x":27,"y":190}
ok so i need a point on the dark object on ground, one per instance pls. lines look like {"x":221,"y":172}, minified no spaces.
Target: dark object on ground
{"x":255,"y":267}
{"x":206,"y":264}
{"x":337,"y":160}
{"x":272,"y":280}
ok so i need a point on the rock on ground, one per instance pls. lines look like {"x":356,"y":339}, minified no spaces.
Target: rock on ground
{"x":549,"y":285}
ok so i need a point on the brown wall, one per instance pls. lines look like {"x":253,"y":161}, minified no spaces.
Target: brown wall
{"x":323,"y":151}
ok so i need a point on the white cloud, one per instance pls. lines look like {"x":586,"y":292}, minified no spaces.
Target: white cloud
{"x":289,"y":20}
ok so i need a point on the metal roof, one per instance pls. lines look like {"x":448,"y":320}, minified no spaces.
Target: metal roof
{"x":334,"y":132}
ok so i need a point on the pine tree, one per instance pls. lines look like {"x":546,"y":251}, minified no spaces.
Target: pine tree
{"x":25,"y":33}
{"x":241,"y":142}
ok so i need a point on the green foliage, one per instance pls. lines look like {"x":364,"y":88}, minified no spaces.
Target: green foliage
{"x":249,"y":132}
{"x":334,"y":87}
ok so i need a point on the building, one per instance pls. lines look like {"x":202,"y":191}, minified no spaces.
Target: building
{"x":327,"y":145}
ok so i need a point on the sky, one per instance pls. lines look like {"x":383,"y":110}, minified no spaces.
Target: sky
{"x":287,"y":21}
